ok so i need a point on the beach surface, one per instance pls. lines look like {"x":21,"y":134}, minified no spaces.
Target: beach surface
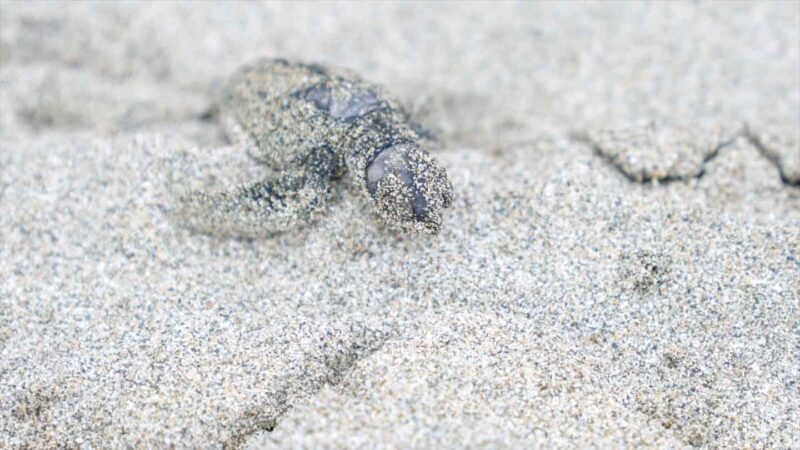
{"x":620,"y":267}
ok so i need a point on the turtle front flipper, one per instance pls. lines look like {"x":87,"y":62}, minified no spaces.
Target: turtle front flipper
{"x":260,"y":209}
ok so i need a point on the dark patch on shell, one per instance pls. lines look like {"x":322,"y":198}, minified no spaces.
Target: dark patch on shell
{"x":353,"y":106}
{"x":319,"y":95}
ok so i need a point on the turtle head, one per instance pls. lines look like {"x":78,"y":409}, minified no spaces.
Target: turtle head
{"x":409,"y":187}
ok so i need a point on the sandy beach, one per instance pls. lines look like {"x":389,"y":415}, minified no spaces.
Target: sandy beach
{"x":620,"y":267}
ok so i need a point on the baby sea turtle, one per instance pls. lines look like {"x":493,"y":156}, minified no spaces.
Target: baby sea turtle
{"x":314,"y":126}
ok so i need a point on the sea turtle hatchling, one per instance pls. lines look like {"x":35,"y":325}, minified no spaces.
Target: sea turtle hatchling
{"x":314,"y":126}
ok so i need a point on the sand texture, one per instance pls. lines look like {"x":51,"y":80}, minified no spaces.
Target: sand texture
{"x":620,"y":267}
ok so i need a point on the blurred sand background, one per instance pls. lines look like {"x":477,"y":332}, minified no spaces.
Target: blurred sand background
{"x":563,"y":304}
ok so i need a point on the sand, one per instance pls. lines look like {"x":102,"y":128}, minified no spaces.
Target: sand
{"x":564,"y":303}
